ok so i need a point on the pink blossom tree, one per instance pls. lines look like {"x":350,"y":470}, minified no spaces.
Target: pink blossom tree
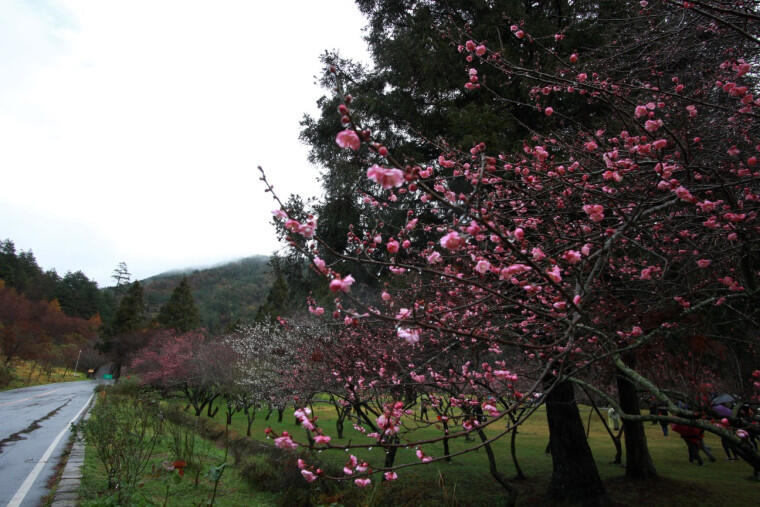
{"x":625,"y":228}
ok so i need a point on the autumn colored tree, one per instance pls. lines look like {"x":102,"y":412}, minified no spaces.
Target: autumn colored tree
{"x":38,"y":330}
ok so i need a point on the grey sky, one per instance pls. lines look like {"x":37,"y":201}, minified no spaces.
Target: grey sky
{"x":132,"y":130}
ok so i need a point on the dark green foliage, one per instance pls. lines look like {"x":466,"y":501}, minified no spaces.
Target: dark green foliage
{"x":180,"y":312}
{"x":223,"y":294}
{"x":77,"y":294}
{"x":413,"y":100}
{"x":130,"y":316}
{"x":277,"y":301}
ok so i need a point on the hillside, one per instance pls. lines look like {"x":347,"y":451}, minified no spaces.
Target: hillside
{"x":223,"y":293}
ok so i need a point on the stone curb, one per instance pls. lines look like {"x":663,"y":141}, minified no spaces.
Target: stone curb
{"x":67,"y":490}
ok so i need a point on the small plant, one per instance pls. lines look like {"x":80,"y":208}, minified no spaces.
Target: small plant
{"x":167,"y":472}
{"x":215,"y":474}
{"x":182,"y":442}
{"x":124,"y":433}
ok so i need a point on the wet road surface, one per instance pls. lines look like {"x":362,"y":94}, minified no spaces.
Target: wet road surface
{"x":31,"y":420}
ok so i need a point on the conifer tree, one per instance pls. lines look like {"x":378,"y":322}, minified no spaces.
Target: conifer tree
{"x":277,"y":299}
{"x":131,"y":313}
{"x":180,"y":312}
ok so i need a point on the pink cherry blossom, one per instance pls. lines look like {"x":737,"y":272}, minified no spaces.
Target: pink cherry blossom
{"x":348,"y":139}
{"x":684,"y":194}
{"x":434,"y":258}
{"x":390,"y":476}
{"x":392,"y":246}
{"x":322,"y":439}
{"x":512,"y":270}
{"x":572,"y":256}
{"x":309,"y":476}
{"x":320,"y":264}
{"x":386,"y":178}
{"x":483,"y":267}
{"x":641,"y":111}
{"x":652,"y":125}
{"x":703,"y":263}
{"x":595,"y":212}
{"x":362,"y":483}
{"x":411,"y":336}
{"x":285,"y":442}
{"x":555,"y":274}
{"x":480,"y":50}
{"x":452,"y":241}
{"x":342,"y":284}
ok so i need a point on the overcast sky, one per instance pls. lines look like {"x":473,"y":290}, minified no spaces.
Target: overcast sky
{"x":131,"y":131}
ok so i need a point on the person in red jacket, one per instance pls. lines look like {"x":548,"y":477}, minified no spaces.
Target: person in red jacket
{"x":693,"y":438}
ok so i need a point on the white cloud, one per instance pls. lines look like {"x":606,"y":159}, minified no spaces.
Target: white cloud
{"x":142,"y":123}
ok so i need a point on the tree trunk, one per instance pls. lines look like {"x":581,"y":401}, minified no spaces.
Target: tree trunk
{"x":250,"y":415}
{"x":513,"y":446}
{"x":574,"y":475}
{"x":339,"y":426}
{"x":498,"y":477}
{"x":615,"y":438}
{"x":638,"y":462}
{"x":390,"y":453}
{"x":446,"y":450}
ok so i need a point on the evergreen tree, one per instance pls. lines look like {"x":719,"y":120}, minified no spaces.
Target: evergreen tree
{"x":277,"y":300}
{"x":131,"y":313}
{"x":78,"y":295}
{"x":180,"y":312}
{"x":121,"y":276}
{"x":125,"y":335}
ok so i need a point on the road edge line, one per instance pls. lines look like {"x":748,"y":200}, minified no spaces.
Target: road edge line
{"x":22,"y":491}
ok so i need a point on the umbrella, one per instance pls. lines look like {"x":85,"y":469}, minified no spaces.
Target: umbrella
{"x":723,"y":399}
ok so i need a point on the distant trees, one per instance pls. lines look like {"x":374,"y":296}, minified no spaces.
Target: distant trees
{"x":38,"y":330}
{"x":180,"y":312}
{"x":78,"y":295}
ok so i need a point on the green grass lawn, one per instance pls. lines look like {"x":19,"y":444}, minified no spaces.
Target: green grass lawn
{"x":464,"y":481}
{"x":233,"y":490}
{"x":467,"y":478}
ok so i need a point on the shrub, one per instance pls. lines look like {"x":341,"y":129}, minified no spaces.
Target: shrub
{"x":6,"y":375}
{"x":124,"y":432}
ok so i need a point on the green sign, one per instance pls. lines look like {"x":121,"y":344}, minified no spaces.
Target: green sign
{"x":108,"y":376}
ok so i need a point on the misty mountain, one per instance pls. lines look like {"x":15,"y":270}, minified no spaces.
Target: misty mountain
{"x":223,"y":293}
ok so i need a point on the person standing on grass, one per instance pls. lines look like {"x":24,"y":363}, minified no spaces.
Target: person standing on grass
{"x":725,"y":412}
{"x":613,"y":419}
{"x":691,"y":436}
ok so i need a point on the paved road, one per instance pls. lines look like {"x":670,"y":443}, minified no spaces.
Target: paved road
{"x":31,"y":419}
